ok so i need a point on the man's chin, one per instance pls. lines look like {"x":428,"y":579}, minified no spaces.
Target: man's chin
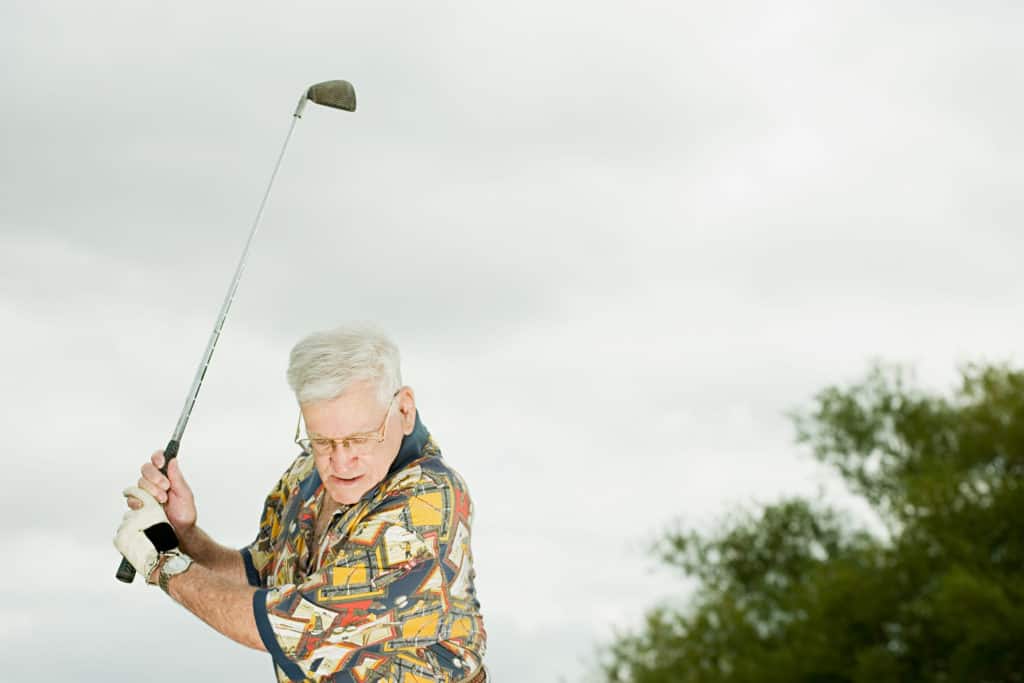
{"x":347,"y":491}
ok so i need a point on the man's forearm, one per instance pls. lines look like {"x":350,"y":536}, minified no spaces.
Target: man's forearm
{"x":221,"y":603}
{"x":225,"y":562}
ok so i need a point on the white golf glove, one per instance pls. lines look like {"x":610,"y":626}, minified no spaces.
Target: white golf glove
{"x":144,"y":533}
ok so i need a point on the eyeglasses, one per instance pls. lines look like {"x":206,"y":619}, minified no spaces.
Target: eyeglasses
{"x":357,"y":444}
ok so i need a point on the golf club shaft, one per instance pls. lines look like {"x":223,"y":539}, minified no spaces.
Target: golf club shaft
{"x":126,"y":572}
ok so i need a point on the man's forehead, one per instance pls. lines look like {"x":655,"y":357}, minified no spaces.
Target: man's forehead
{"x":355,"y":410}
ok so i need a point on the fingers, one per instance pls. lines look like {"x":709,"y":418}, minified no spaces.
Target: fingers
{"x":139,"y":494}
{"x":153,"y":480}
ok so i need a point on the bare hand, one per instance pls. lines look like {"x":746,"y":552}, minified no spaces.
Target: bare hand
{"x":172,"y":492}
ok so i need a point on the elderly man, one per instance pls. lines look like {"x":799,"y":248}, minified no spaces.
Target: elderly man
{"x":362,"y":568}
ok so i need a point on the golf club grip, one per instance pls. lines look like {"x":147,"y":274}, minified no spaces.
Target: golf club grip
{"x":125,"y":571}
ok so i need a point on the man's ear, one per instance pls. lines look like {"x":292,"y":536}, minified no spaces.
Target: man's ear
{"x":407,"y":409}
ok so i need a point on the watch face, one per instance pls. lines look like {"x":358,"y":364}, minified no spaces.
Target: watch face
{"x":176,"y":565}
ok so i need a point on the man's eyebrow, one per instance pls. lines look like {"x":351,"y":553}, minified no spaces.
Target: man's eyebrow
{"x":368,"y":432}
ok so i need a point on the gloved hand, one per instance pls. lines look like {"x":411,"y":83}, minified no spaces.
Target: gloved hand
{"x":144,"y":533}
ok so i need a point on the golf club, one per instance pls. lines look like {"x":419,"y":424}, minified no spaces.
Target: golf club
{"x":336,"y":94}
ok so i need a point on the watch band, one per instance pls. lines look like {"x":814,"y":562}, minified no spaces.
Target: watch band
{"x":163,"y":580}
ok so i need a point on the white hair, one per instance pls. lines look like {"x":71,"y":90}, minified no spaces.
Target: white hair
{"x":324,"y":364}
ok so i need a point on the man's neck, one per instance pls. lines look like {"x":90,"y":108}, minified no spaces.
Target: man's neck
{"x":329,"y":506}
{"x":327,"y":509}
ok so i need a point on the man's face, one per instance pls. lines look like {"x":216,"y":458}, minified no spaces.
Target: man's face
{"x":351,"y":467}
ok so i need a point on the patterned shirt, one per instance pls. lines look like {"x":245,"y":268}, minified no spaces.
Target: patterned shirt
{"x":387,"y":594}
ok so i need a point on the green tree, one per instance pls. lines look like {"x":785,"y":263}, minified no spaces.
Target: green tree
{"x":795,"y":592}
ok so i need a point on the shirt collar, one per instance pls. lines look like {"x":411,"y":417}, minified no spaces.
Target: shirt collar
{"x":412,"y":446}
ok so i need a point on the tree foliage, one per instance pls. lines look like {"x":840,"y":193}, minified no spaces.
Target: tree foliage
{"x":795,"y":592}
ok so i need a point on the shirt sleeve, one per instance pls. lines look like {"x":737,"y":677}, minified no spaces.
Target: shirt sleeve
{"x":258,"y":554}
{"x":385,"y":592}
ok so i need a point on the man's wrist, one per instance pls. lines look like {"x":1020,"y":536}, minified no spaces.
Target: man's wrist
{"x":153,"y":570}
{"x":173,"y":563}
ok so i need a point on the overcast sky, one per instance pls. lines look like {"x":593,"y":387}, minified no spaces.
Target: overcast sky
{"x":616,"y":243}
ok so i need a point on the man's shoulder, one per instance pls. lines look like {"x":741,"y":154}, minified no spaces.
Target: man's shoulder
{"x":299,"y":473}
{"x":430,"y":472}
{"x":426,"y":498}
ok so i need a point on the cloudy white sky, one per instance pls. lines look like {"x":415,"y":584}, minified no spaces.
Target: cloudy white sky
{"x":616,"y":242}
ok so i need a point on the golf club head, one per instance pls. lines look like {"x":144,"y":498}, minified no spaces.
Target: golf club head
{"x":337,"y":94}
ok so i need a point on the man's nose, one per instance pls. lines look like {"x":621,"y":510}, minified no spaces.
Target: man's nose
{"x":342,"y":458}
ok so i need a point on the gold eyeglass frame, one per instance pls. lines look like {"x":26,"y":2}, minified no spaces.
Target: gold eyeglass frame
{"x":376,"y":436}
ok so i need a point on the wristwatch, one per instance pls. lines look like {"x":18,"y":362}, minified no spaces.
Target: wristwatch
{"x":172,"y":563}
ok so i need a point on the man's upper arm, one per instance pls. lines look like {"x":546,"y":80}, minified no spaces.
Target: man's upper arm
{"x":257,"y":555}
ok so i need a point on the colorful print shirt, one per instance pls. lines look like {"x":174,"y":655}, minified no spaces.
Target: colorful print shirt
{"x":388,"y":594}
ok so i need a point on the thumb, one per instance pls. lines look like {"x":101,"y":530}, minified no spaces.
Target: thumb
{"x":177,"y":478}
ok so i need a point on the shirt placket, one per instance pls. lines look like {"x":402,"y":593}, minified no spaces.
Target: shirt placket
{"x":306,"y":532}
{"x":337,"y":530}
